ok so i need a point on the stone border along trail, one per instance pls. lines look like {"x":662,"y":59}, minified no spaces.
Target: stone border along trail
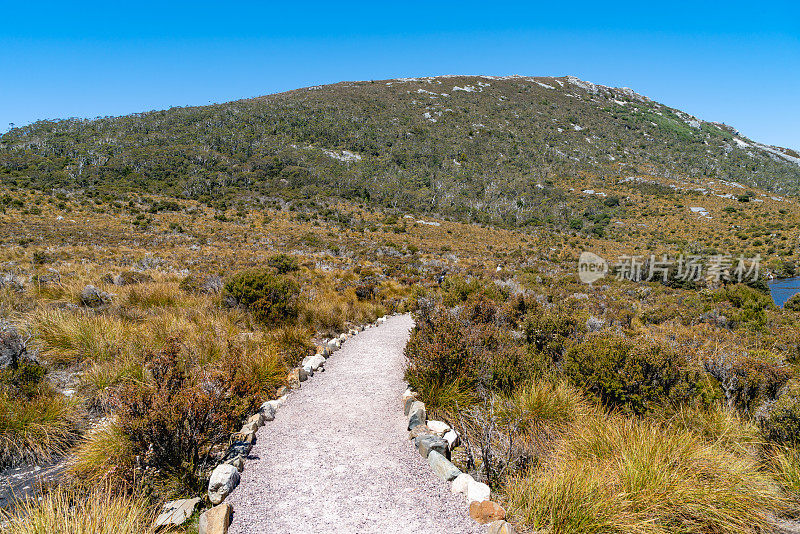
{"x":337,"y":458}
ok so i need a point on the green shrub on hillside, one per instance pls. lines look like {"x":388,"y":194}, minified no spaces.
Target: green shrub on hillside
{"x":272,"y":299}
{"x":749,"y":377}
{"x":634,"y":376}
{"x":780,"y":419}
{"x":549,"y":331}
{"x":793,"y":303}
{"x":283,"y":263}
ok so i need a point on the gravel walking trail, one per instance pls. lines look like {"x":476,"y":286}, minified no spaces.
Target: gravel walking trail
{"x":337,"y":458}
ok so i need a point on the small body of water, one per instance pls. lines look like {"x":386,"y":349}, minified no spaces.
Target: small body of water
{"x":784,"y":289}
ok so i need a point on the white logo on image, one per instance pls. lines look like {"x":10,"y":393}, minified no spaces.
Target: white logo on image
{"x":591,"y":267}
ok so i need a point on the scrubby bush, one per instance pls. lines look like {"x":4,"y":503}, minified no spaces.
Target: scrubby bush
{"x":366,"y":290}
{"x":749,"y":377}
{"x":780,"y":419}
{"x":283,"y":263}
{"x":178,"y":413}
{"x":793,"y":303}
{"x":750,"y":305}
{"x":635,"y":376}
{"x":271,"y":299}
{"x":463,"y":352}
{"x":439,"y":364}
{"x":549,"y":330}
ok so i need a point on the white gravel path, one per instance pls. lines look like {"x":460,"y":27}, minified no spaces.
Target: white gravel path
{"x":337,"y":458}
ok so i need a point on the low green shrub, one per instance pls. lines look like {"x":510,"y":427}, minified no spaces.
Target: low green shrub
{"x":175,"y":416}
{"x":439,"y":364}
{"x":272,"y":299}
{"x":549,"y":330}
{"x":748,"y":378}
{"x":462,"y":352}
{"x":635,"y":376}
{"x":793,"y":303}
{"x":283,"y":263}
{"x":780,"y":419}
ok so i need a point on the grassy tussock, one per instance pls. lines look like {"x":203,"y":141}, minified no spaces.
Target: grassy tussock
{"x":68,"y":338}
{"x":36,"y":430}
{"x":784,"y":463}
{"x":542,"y":405}
{"x":720,"y":426}
{"x":617,"y":475}
{"x":155,"y":295}
{"x":103,"y":456}
{"x":328,"y":310}
{"x":65,"y":512}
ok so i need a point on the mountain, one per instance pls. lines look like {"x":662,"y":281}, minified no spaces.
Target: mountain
{"x":494,"y":149}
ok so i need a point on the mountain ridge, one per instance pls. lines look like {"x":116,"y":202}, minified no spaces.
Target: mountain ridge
{"x":474,"y":147}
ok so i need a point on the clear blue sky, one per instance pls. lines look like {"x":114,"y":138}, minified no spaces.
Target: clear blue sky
{"x":735,"y":62}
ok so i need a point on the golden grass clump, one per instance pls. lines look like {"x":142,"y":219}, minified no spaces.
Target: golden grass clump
{"x":155,"y":295}
{"x":66,"y":512}
{"x":105,"y":455}
{"x":784,"y":464}
{"x":718,"y":425}
{"x":629,"y":475}
{"x":544,"y":406}
{"x":69,"y":338}
{"x":38,"y":429}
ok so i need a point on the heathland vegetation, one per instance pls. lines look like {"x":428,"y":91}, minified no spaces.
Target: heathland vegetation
{"x":221,"y":243}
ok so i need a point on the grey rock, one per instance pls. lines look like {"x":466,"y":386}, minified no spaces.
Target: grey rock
{"x":316,"y":361}
{"x":420,"y":430}
{"x":407,"y":404}
{"x":257,"y":418}
{"x":594,"y":324}
{"x":452,"y":439}
{"x":428,"y":442}
{"x":175,"y":513}
{"x":268,"y":409}
{"x":477,"y":491}
{"x":223,"y":481}
{"x":438,"y":427}
{"x":443,"y":468}
{"x":238,"y":448}
{"x":249,"y":428}
{"x":237,"y":462}
{"x":91,"y":297}
{"x":12,"y":281}
{"x":13,"y":347}
{"x":416,"y":415}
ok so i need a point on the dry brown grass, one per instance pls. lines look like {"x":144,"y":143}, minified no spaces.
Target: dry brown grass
{"x":62,"y":511}
{"x":623,"y":475}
